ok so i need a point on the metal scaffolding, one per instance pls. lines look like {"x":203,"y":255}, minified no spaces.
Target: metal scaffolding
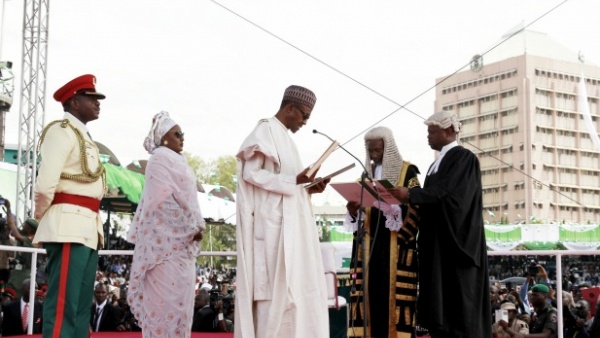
{"x":6,"y":98}
{"x":33,"y":93}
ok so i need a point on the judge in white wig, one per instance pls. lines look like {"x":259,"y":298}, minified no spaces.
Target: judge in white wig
{"x":166,"y":231}
{"x":390,"y":239}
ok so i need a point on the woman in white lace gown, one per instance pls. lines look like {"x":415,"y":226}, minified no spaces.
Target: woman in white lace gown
{"x":166,"y":231}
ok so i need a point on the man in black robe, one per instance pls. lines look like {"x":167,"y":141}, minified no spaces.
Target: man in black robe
{"x":454,"y":299}
{"x":385,"y":293}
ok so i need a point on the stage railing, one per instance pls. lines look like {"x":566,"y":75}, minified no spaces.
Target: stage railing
{"x":34,"y":253}
{"x":557,"y":253}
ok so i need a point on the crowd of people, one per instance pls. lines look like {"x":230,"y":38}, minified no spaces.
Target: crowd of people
{"x":577,"y":270}
{"x":214,"y":297}
{"x":531,"y":308}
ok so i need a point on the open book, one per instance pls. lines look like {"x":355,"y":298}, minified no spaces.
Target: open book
{"x":373,"y":191}
{"x":322,"y":159}
{"x":333,"y":174}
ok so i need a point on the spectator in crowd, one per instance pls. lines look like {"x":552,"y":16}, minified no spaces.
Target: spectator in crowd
{"x":166,"y":231}
{"x":24,"y":238}
{"x":104,"y":316}
{"x":114,"y":299}
{"x":15,"y":314}
{"x":522,"y":308}
{"x":112,"y":278}
{"x":40,"y":296}
{"x":569,"y":318}
{"x":495,"y":300}
{"x":5,"y":256}
{"x":514,"y":327}
{"x":117,"y":267}
{"x":8,"y":295}
{"x":577,"y":321}
{"x":229,"y":311}
{"x":583,"y":310}
{"x":204,"y":318}
{"x":129,"y":321}
{"x":198,"y":304}
{"x":595,"y":325}
{"x":544,"y":323}
{"x":537,"y":275}
{"x":526,"y":317}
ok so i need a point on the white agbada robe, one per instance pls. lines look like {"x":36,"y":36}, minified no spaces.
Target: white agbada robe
{"x":280,"y":287}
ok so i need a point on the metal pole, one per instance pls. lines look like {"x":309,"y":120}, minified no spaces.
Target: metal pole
{"x":32,"y":284}
{"x":212,"y":267}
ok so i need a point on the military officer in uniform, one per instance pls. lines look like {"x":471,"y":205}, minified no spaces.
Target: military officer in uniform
{"x":70,"y":185}
{"x":545,"y":322}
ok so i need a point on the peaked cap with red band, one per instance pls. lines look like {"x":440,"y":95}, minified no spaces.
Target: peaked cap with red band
{"x":10,"y":292}
{"x":82,"y":85}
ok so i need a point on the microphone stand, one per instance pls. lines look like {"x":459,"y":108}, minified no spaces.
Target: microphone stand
{"x":360,"y":238}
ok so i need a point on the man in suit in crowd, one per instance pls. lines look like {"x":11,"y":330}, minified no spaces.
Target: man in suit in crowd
{"x":204,"y":318}
{"x":105,"y":316}
{"x":15,"y":313}
{"x":70,"y":185}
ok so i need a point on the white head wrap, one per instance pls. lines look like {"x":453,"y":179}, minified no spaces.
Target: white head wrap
{"x":391,"y":160}
{"x":444,"y":119}
{"x":161,"y":124}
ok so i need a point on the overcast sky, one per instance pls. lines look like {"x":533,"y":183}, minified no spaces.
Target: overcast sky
{"x":218,"y":74}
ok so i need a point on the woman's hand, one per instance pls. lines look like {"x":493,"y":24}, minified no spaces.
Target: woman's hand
{"x":198,"y":236}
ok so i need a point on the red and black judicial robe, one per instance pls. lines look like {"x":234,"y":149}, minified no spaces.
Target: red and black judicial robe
{"x":392,"y":272}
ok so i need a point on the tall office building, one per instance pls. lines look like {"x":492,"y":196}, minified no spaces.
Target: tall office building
{"x":520,"y":113}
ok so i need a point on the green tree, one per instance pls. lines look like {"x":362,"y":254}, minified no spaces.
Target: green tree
{"x":220,"y":171}
{"x":218,"y":237}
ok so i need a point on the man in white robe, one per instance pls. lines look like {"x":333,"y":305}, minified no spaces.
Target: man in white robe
{"x":281,"y":289}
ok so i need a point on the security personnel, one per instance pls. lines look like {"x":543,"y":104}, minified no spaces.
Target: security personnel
{"x":546,"y":320}
{"x":70,"y":185}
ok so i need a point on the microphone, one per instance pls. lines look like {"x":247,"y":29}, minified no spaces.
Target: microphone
{"x":366,"y":173}
{"x":360,"y":233}
{"x":330,"y":139}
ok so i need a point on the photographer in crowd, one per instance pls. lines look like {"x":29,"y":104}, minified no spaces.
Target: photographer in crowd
{"x":204,"y":318}
{"x":229,"y":310}
{"x":211,"y":316}
{"x":536,"y":274}
{"x":24,"y":238}
{"x":5,"y":256}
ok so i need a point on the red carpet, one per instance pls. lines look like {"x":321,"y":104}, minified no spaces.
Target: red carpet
{"x":139,"y":335}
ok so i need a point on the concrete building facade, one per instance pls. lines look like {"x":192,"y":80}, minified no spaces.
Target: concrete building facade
{"x":520,"y":113}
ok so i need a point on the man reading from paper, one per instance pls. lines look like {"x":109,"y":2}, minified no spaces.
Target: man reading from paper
{"x":389,"y":248}
{"x":280,"y":278}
